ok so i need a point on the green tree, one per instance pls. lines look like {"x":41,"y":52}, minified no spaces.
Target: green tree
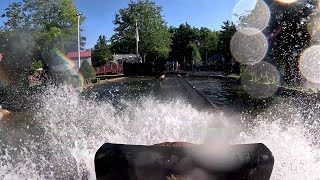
{"x":87,"y":70}
{"x":181,"y":38}
{"x":228,"y":30}
{"x":195,"y":54}
{"x":36,"y":27}
{"x":101,"y":52}
{"x":154,"y":37}
{"x":208,"y":42}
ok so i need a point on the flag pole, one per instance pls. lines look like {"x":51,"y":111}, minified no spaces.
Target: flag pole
{"x":137,"y":40}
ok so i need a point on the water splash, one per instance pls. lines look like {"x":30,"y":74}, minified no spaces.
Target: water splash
{"x":73,"y":128}
{"x":293,"y":137}
{"x":61,"y":140}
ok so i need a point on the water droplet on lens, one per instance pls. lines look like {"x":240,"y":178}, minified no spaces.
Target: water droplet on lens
{"x":251,"y":14}
{"x":310,"y":64}
{"x":248,"y":46}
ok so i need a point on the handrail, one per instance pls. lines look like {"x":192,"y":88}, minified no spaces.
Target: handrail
{"x":107,"y":68}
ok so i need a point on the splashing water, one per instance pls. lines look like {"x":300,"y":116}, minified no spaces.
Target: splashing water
{"x":72,"y":129}
{"x":294,"y":142}
{"x":61,"y":140}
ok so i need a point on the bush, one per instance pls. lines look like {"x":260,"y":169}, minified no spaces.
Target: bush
{"x":87,"y":70}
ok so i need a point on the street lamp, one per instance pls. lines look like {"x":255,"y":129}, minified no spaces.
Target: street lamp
{"x":79,"y":16}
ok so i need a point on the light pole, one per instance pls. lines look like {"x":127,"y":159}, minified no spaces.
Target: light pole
{"x":79,"y":16}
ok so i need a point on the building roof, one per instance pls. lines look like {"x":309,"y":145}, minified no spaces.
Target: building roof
{"x":83,"y":54}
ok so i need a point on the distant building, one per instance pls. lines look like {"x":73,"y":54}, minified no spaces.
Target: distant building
{"x":212,"y":60}
{"x":121,"y":58}
{"x":214,"y":63}
{"x":84,"y":56}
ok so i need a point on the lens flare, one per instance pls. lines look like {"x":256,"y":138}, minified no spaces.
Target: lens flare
{"x":70,"y":65}
{"x":314,"y":28}
{"x":310,"y":86}
{"x":261,"y":80}
{"x":310,"y":64}
{"x":249,"y":46}
{"x":286,"y":1}
{"x":251,"y":14}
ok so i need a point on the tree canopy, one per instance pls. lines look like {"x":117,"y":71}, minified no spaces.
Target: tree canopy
{"x":34,"y":28}
{"x":187,"y":39}
{"x":228,"y":29}
{"x":154,"y":37}
{"x":225,"y":36}
{"x":195,"y":54}
{"x":208,"y":42}
{"x":182,"y":37}
{"x":101,"y":52}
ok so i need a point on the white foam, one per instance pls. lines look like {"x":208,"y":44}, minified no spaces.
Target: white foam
{"x":74,"y":128}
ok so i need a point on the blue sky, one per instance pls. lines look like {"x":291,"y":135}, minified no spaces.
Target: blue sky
{"x":198,"y":13}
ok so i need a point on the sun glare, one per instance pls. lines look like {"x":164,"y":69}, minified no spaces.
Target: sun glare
{"x":287,"y":1}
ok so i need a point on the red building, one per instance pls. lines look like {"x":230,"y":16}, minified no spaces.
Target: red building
{"x":84,"y":56}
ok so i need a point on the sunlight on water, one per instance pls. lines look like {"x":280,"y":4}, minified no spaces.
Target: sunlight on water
{"x":71,"y":129}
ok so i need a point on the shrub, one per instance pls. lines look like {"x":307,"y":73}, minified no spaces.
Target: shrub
{"x":87,"y":70}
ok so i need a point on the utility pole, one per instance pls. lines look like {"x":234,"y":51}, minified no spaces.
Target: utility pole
{"x":79,"y":59}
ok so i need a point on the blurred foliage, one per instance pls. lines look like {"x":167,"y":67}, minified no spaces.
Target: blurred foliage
{"x":101,"y":52}
{"x":72,"y":79}
{"x":36,"y":65}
